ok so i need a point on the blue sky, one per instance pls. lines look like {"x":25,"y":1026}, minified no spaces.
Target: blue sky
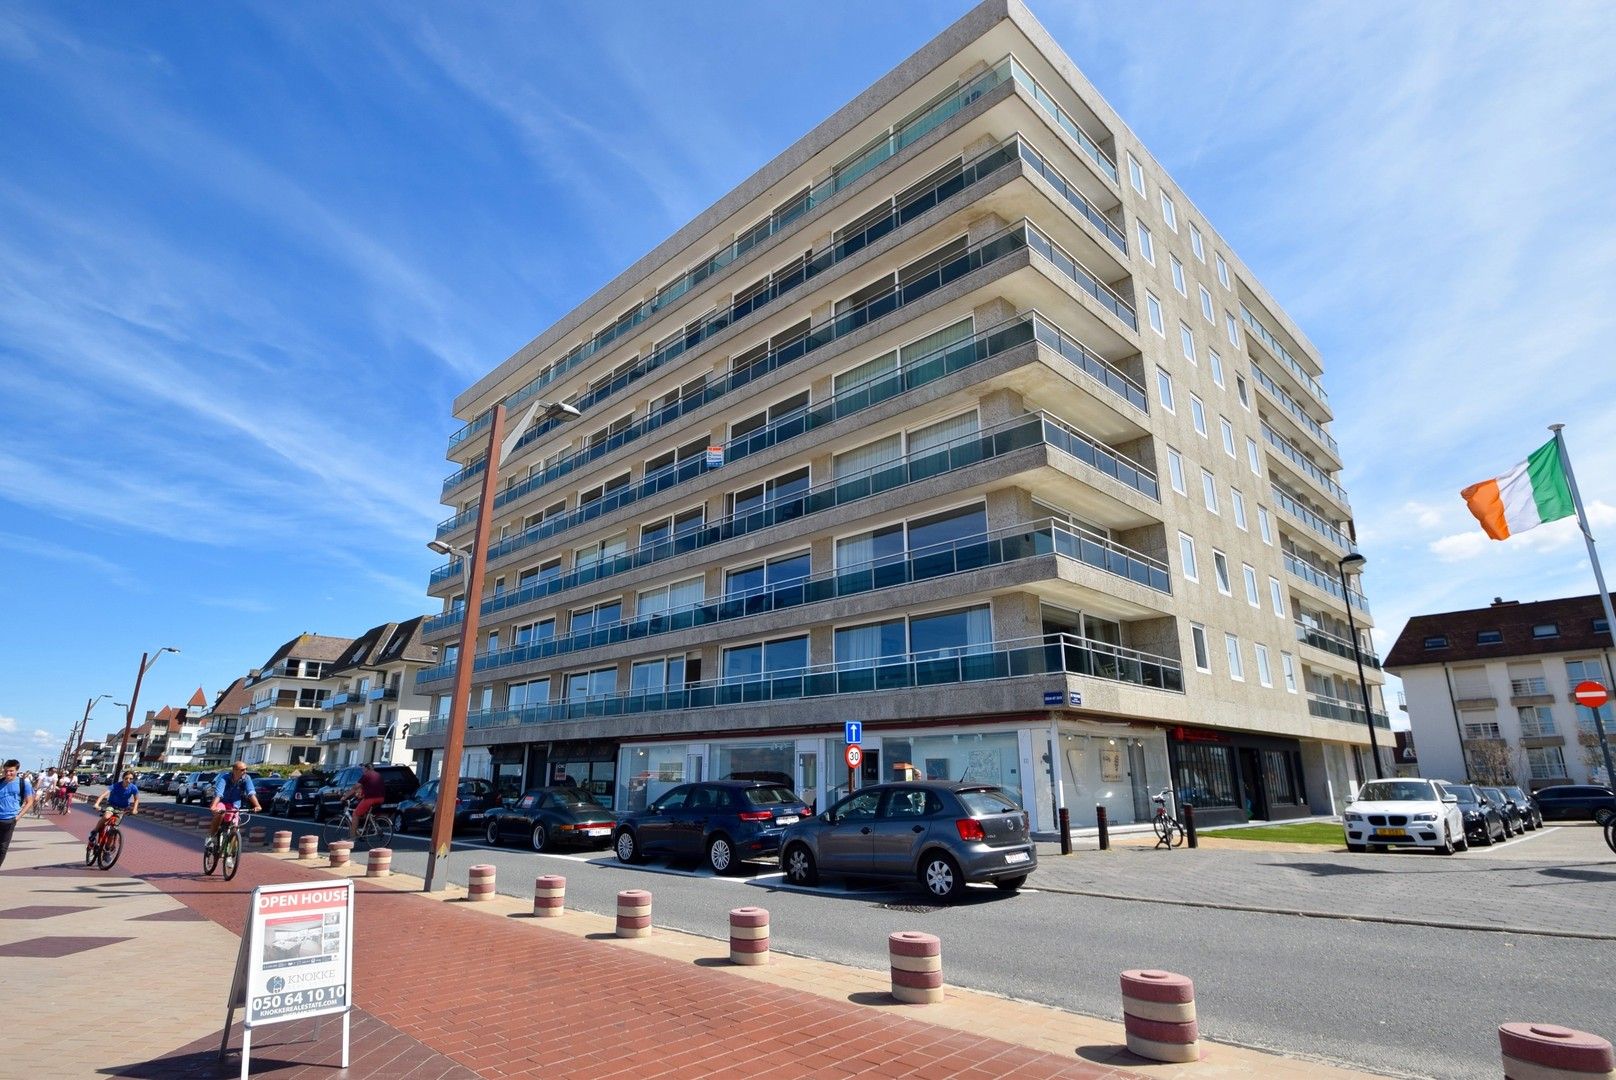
{"x":249,"y":254}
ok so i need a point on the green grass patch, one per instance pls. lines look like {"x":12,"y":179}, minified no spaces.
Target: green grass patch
{"x":1304,"y":832}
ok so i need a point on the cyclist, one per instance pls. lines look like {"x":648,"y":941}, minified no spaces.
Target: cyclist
{"x":229,"y":791}
{"x":16,"y":796}
{"x":123,"y":797}
{"x":371,"y":791}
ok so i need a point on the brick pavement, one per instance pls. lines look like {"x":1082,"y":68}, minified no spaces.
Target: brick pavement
{"x":447,"y":989}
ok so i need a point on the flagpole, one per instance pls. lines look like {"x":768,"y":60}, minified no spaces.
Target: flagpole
{"x":1599,"y":580}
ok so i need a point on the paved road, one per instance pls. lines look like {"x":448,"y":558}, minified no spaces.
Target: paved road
{"x":1377,"y":996}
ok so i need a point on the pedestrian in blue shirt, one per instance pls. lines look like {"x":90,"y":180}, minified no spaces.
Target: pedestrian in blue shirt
{"x":16,"y":796}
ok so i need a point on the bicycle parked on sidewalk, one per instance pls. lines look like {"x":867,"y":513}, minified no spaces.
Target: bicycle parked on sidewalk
{"x":1610,"y":833}
{"x":376,"y":830}
{"x":224,"y":850}
{"x":105,"y":842}
{"x":1169,"y":830}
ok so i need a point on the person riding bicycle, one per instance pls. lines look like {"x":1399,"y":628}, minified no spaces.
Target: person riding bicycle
{"x":122,"y":798}
{"x":371,"y":790}
{"x":229,"y":791}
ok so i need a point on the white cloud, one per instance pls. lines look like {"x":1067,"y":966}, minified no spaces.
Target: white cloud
{"x":44,"y":738}
{"x":8,"y":724}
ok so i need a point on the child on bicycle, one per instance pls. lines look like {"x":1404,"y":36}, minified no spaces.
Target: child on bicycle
{"x":230,"y":790}
{"x":122,"y":798}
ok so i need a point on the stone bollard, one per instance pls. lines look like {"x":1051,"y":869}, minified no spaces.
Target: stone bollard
{"x":341,"y":851}
{"x":202,"y":821}
{"x":480,"y":884}
{"x":1551,"y":1052}
{"x":1158,"y":1014}
{"x":308,"y":846}
{"x":549,"y":896}
{"x":749,"y":936}
{"x":283,"y":843}
{"x":633,"y":913}
{"x":917,"y":967}
{"x":381,"y":863}
{"x":257,"y":835}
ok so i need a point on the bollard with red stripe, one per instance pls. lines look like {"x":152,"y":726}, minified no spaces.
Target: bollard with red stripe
{"x":633,"y":913}
{"x":1551,"y":1052}
{"x":256,"y":834}
{"x":341,"y":851}
{"x":549,"y":896}
{"x":480,"y":883}
{"x":379,"y":863}
{"x":749,"y":936}
{"x":1158,"y":1015}
{"x":308,"y":846}
{"x":917,"y":967}
{"x":283,"y":842}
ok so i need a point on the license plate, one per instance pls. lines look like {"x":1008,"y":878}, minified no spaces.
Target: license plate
{"x":1017,"y":857}
{"x":786,"y":819}
{"x":597,"y":832}
{"x":1391,"y":832}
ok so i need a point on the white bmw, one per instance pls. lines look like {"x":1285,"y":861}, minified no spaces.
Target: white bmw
{"x":1405,"y":813}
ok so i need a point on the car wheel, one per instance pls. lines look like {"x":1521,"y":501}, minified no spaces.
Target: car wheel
{"x":540,"y":838}
{"x":798,"y":864}
{"x":1603,"y":815}
{"x":1357,"y":849}
{"x":1010,"y":884}
{"x":1486,"y":837}
{"x":941,"y":876}
{"x":491,"y":833}
{"x":721,"y":854}
{"x":1463,"y":843}
{"x":1447,"y":841}
{"x":628,"y":847}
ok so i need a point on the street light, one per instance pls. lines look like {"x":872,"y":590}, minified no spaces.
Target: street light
{"x":473,"y":563}
{"x":134,"y":699}
{"x":75,"y":740}
{"x":1357,"y":562}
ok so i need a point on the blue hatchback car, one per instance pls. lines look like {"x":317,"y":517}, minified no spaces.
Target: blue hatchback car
{"x":723,"y":822}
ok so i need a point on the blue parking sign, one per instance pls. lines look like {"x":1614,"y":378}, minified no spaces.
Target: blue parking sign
{"x":853,"y":731}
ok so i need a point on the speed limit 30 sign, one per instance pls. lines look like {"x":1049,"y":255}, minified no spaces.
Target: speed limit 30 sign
{"x":854,"y":755}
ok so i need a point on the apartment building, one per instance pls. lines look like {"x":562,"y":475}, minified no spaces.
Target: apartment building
{"x":1489,"y":690}
{"x":957,"y":418}
{"x":372,"y":699}
{"x":285,"y":714}
{"x":221,"y":722}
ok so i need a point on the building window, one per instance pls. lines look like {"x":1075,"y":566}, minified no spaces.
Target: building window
{"x":1546,"y":762}
{"x":783,"y":657}
{"x":1238,"y":501}
{"x":1146,"y":247}
{"x":1209,"y":491}
{"x":1264,"y":526}
{"x":1186,"y":556}
{"x":1175,"y":469}
{"x":1265,"y":674}
{"x":591,"y":684}
{"x":1526,"y":685}
{"x":1203,"y":659}
{"x":1164,"y":388}
{"x":1153,"y":312}
{"x":1206,"y":305}
{"x":1602,"y":626}
{"x":1198,"y":415}
{"x":1437,"y":641}
{"x":1489,"y":637}
{"x":1223,"y":270}
{"x":1220,"y":567}
{"x":1242,"y":392}
{"x":1546,"y":630}
{"x":1196,"y":245}
{"x":1178,"y":275}
{"x":1287,"y":667}
{"x":1253,"y":459}
{"x":1226,"y":430}
{"x":1276,"y":594}
{"x":1136,"y":175}
{"x":760,"y":577}
{"x":1215,"y":362}
{"x":1537,"y":721}
{"x":1169,"y":212}
{"x":1186,"y":342}
{"x":1253,"y":594}
{"x":1206,"y":775}
{"x":1231,"y":650}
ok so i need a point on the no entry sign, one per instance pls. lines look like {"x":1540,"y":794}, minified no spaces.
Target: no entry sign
{"x":1591,"y":694}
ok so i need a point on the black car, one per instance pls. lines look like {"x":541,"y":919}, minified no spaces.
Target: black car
{"x":1576,"y":802}
{"x":472,"y":800}
{"x":1526,"y":805}
{"x":298,"y":795}
{"x":720,"y":821}
{"x":1482,"y":820}
{"x":551,"y":817}
{"x":400,"y":783}
{"x":1514,"y":820}
{"x":265,"y":788}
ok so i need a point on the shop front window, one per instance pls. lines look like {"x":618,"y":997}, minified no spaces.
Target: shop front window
{"x":985,"y":758}
{"x":1206,"y":776}
{"x":756,"y":761}
{"x":646,"y":773}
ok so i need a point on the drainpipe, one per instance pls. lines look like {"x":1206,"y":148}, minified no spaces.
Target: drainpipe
{"x":1458,"y":729}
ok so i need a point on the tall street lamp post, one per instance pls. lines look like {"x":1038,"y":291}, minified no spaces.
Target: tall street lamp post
{"x":134,"y":699}
{"x":1356,"y":562}
{"x":474,"y":561}
{"x":75,"y":741}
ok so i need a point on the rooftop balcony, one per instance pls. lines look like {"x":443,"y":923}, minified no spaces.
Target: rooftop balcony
{"x":1055,"y":654}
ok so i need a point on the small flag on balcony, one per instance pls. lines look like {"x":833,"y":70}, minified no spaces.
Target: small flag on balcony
{"x":1531,"y":493}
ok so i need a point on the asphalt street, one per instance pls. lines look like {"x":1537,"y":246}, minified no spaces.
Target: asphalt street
{"x":1399,"y":999}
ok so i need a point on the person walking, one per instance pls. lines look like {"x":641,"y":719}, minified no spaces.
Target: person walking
{"x":16,"y":796}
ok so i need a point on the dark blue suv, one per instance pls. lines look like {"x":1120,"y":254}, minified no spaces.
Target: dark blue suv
{"x":721,"y":821}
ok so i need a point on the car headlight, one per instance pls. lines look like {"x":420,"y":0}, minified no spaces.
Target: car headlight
{"x":1350,"y":816}
{"x":1423,"y":817}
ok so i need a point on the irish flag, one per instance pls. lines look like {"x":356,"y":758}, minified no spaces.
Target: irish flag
{"x":1531,"y":493}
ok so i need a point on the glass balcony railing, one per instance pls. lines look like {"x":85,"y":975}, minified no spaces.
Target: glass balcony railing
{"x":1082,"y":276}
{"x":1336,"y":709}
{"x":1035,"y":161}
{"x":997,"y":548}
{"x":382,"y":693}
{"x":1320,"y":579}
{"x":1321,"y":639}
{"x":1032,"y":430}
{"x":1054,"y":654}
{"x":1310,"y":425}
{"x":1296,"y":509}
{"x":1293,"y":365}
{"x":1302,"y":462}
{"x":1064,"y":119}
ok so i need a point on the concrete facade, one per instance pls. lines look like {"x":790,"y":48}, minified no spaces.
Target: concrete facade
{"x":977,"y":374}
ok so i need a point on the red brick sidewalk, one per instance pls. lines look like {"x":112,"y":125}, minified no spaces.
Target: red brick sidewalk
{"x":507,"y":998}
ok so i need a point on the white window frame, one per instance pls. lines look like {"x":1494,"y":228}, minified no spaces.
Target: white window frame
{"x":1190,"y":564}
{"x":1231,"y":653}
{"x":1226,"y":433}
{"x":1209,"y":491}
{"x":1265,"y":527}
{"x":1248,"y":574}
{"x":1214,"y":364}
{"x":1238,"y":502}
{"x":1197,"y":245}
{"x":1231,"y":327}
{"x":1147,"y":245}
{"x":1276,"y":595}
{"x":1223,"y":270}
{"x":1220,"y":572}
{"x":1209,"y":310}
{"x":1175,"y":471}
{"x":1164,"y":389}
{"x":1253,"y":456}
{"x":1265,"y":671}
{"x":1198,"y":415}
{"x":1169,"y":212}
{"x":1136,"y":174}
{"x":1287,"y":667}
{"x":1153,"y":313}
{"x":1186,"y":342}
{"x":1178,"y":275}
{"x":1200,"y":650}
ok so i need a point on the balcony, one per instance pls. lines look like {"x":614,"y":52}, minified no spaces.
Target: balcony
{"x":1067,"y":124}
{"x":339,"y":734}
{"x":278,"y":731}
{"x":1056,"y":654}
{"x":1032,"y":430}
{"x":1323,"y":528}
{"x":1342,"y":647}
{"x":1280,"y":353}
{"x":382,"y":693}
{"x":338,"y":700}
{"x":1305,"y":465}
{"x":997,"y":548}
{"x":1300,"y":415}
{"x":370,"y":731}
{"x":1347,"y":711}
{"x":1323,"y":581}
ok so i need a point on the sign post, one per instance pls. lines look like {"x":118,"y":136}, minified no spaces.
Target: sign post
{"x":295,"y":961}
{"x":854,"y":756}
{"x":1593,"y":695}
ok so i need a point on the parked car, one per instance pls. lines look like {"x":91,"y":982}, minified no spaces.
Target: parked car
{"x":1409,"y":812}
{"x":723,"y":821}
{"x":299,"y":795}
{"x":400,"y":782}
{"x":147,"y":782}
{"x":1514,"y":820}
{"x":473,"y":798}
{"x":265,"y":787}
{"x":1526,"y":805}
{"x":1484,"y":820}
{"x":207,"y":788}
{"x":164,"y":784}
{"x":942,"y":834}
{"x":1576,"y":802}
{"x":191,"y":790}
{"x":551,"y":816}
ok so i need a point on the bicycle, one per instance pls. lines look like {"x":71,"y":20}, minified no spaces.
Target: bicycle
{"x":1610,"y":833}
{"x":105,"y":842}
{"x":1169,"y":830}
{"x":224,"y":849}
{"x":376,"y":828}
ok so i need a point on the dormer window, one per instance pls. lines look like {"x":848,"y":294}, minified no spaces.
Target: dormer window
{"x":1437,"y":641}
